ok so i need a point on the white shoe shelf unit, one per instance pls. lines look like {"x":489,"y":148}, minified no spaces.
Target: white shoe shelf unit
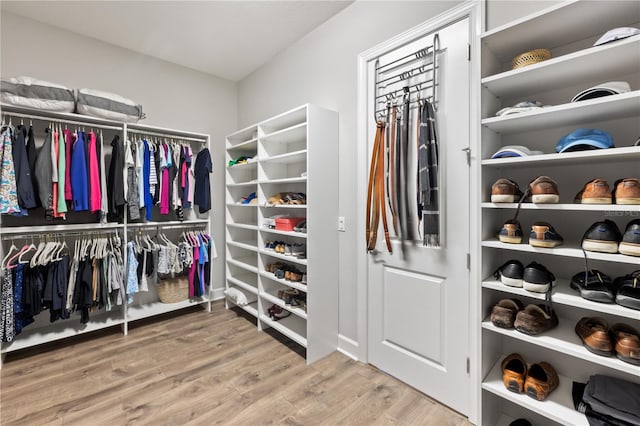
{"x":295,"y":151}
{"x":35,"y":227}
{"x":569,"y":30}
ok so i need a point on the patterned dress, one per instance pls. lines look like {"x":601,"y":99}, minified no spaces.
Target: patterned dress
{"x":8,"y":188}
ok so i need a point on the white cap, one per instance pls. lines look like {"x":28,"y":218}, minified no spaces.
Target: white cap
{"x":515,"y":151}
{"x":617,"y":34}
{"x":603,"y":89}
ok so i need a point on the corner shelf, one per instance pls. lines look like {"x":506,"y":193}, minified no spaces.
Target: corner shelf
{"x":631,"y":153}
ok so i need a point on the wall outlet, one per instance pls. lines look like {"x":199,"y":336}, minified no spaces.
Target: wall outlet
{"x":341,"y":224}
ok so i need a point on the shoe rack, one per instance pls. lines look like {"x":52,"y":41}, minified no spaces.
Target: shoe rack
{"x":291,"y":152}
{"x":569,"y":31}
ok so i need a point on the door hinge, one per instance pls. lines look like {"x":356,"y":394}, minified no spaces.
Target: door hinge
{"x":468,"y":261}
{"x":468,"y":365}
{"x":468,"y":52}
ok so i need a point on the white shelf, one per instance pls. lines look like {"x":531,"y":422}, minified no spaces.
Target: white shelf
{"x":567,"y":207}
{"x":283,"y":180}
{"x":563,"y":294}
{"x":276,"y":300}
{"x":564,"y":250}
{"x":292,"y":284}
{"x":241,"y":205}
{"x":558,"y":406}
{"x":287,"y":233}
{"x":241,"y":184}
{"x":291,"y":259}
{"x":285,"y":206}
{"x":296,"y":133}
{"x":250,"y":308}
{"x":585,"y":65}
{"x":240,"y":264}
{"x":243,"y":226}
{"x":137,"y":312}
{"x":243,"y":245}
{"x":247,"y":146}
{"x":563,"y":339}
{"x":282,"y":121}
{"x":244,"y":166}
{"x":33,"y":336}
{"x":598,"y":156}
{"x":576,"y":113}
{"x":291,"y":326}
{"x":239,"y":283}
{"x":288,"y":158}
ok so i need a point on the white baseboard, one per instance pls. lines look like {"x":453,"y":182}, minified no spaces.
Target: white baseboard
{"x":348,"y":347}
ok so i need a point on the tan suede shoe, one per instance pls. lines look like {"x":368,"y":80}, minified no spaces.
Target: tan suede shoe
{"x":514,"y":372}
{"x":596,"y":191}
{"x":541,"y":380}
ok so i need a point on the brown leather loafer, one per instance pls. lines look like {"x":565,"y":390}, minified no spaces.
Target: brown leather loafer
{"x":541,"y":380}
{"x":627,"y":191}
{"x":504,"y":313}
{"x":544,"y":190}
{"x":596,"y":191}
{"x":627,"y":343}
{"x":514,"y":372}
{"x":594,"y":335}
{"x":534,"y":319}
{"x":505,"y":191}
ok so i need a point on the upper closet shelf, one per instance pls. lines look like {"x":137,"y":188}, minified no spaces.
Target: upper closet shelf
{"x":583,"y":112}
{"x":243,"y":135}
{"x":247,"y":146}
{"x":62,"y":116}
{"x":630,"y":153}
{"x":583,"y":66}
{"x":294,"y":133}
{"x":549,"y":28}
{"x":284,"y":120}
{"x":291,"y":157}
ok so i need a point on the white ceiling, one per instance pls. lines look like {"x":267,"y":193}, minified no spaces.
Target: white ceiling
{"x":229,"y":39}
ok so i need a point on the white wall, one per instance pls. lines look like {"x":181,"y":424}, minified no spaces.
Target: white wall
{"x":172,"y":96}
{"x":500,"y":12}
{"x":322,"y":69}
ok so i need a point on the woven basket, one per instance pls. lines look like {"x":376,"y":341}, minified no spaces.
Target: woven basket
{"x":173,"y":290}
{"x":529,"y":58}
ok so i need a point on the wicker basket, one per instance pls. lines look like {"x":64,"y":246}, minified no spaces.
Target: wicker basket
{"x":173,"y":290}
{"x":529,"y":58}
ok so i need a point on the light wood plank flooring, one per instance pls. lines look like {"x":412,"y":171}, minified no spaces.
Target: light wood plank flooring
{"x":202,"y":368}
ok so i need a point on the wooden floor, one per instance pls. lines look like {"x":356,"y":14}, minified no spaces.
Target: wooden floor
{"x":202,"y":368}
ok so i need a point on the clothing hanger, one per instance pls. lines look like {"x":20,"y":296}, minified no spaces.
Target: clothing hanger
{"x":31,"y":247}
{"x":11,"y":249}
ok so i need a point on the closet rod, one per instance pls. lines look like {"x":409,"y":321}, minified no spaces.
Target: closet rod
{"x":60,"y":235}
{"x":28,"y":230}
{"x":165,"y":135}
{"x":61,"y":120}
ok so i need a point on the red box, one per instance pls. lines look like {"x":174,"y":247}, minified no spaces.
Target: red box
{"x":287,"y":224}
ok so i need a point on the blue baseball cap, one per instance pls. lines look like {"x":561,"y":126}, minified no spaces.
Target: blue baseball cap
{"x":585,"y":139}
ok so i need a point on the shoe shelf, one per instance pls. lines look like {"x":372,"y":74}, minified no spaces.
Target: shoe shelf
{"x":290,"y":157}
{"x":292,"y":284}
{"x":287,"y":233}
{"x":558,"y":406}
{"x":237,"y":185}
{"x":241,"y":205}
{"x":288,"y":135}
{"x":567,"y":207}
{"x":277,"y":301}
{"x":575,"y":113}
{"x":251,"y":308}
{"x":285,"y":206}
{"x":240,"y":263}
{"x":564,"y":250}
{"x":243,"y":245}
{"x":563,"y":339}
{"x":291,"y":259}
{"x":284,"y":180}
{"x":293,"y":327}
{"x":244,"y":166}
{"x":238,"y":282}
{"x":563,"y":294}
{"x":582,"y":66}
{"x":630,"y":153}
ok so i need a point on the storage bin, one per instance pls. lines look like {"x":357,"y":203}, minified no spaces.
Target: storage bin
{"x":287,"y":224}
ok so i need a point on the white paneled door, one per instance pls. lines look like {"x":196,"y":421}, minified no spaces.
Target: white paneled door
{"x":418,"y":308}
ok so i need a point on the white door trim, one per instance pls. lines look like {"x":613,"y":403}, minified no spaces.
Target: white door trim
{"x":475,"y":11}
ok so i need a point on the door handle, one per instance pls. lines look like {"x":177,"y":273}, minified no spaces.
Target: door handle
{"x":467,"y":150}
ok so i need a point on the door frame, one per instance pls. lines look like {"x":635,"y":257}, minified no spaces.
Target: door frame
{"x":475,"y":11}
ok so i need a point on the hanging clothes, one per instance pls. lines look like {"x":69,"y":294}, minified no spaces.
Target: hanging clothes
{"x":79,"y":174}
{"x":95,"y":196}
{"x":68,"y":141}
{"x":202,"y":192}
{"x":428,"y":200}
{"x":24,"y":183}
{"x":146,"y":172}
{"x":44,"y":173}
{"x":32,"y":154}
{"x":133,"y":197}
{"x":104,"y":199}
{"x":165,"y":184}
{"x":115,"y":189}
{"x":62,"y":174}
{"x":7,"y":329}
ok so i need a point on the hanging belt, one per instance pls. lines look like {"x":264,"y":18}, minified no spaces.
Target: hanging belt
{"x":391,"y":174}
{"x":375,"y":192}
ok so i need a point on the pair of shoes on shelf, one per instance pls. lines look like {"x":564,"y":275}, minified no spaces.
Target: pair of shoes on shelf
{"x":597,"y":191}
{"x":532,"y":319}
{"x":537,"y":380}
{"x":276,"y":313}
{"x":605,"y":237}
{"x":273,"y":267}
{"x":542,"y":234}
{"x":293,"y":297}
{"x":543,"y":190}
{"x":534,"y":277}
{"x":599,"y":287}
{"x":295,"y":198}
{"x":249,"y":199}
{"x":619,"y":339}
{"x":286,"y":272}
{"x":301,"y":227}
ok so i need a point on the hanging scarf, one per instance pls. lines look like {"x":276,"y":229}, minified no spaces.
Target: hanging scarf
{"x":428,"y":200}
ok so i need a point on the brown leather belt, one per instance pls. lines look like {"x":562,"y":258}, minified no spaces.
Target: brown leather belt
{"x":376,"y":192}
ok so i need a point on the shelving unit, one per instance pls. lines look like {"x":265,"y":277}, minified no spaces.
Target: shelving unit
{"x":576,"y":65}
{"x":34,"y":226}
{"x":290,"y":152}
